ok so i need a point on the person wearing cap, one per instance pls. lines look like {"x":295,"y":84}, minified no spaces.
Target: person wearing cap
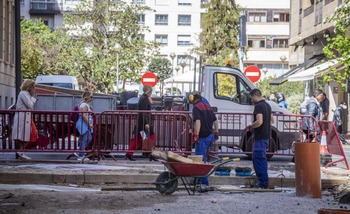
{"x":204,"y":133}
{"x":314,"y":109}
{"x":338,"y":121}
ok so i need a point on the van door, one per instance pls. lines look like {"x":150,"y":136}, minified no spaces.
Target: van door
{"x":231,"y":93}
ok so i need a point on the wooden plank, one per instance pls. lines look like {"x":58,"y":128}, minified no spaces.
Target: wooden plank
{"x":175,"y":157}
{"x":235,"y":189}
{"x":159,"y":154}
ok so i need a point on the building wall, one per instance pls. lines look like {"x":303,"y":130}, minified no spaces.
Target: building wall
{"x":266,"y":30}
{"x":162,"y":7}
{"x":306,"y":25}
{"x":7,"y":54}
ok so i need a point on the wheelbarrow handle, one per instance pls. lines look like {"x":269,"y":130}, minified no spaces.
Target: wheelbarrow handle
{"x":225,"y":159}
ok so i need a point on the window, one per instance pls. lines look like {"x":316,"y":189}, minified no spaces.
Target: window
{"x":181,"y":58}
{"x":280,"y":43}
{"x":184,"y":40}
{"x":184,"y":20}
{"x":257,"y":17}
{"x":138,"y":2}
{"x":21,"y":3}
{"x":256,"y":43}
{"x":162,"y":2}
{"x":161,"y":38}
{"x":142,"y":37}
{"x":280,"y":17}
{"x":232,"y":88}
{"x":142,"y":19}
{"x":185,"y":2}
{"x":161,"y":20}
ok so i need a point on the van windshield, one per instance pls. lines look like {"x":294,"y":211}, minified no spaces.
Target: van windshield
{"x":62,"y":85}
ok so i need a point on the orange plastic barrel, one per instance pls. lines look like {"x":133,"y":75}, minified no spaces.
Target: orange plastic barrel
{"x":307,"y":169}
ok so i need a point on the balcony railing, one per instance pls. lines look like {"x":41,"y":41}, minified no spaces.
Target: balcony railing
{"x":309,"y":10}
{"x":44,"y":8}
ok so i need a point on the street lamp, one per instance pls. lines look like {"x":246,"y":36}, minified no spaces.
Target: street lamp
{"x":283,"y":59}
{"x":265,"y":71}
{"x":177,"y":68}
{"x":117,"y":49}
{"x":183,"y":65}
{"x":172,"y":56}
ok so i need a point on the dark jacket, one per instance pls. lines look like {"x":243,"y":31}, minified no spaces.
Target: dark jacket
{"x":314,"y":109}
{"x":338,"y":116}
{"x":144,"y":117}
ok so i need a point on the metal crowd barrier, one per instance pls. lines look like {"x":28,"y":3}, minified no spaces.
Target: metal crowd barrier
{"x":113,"y":131}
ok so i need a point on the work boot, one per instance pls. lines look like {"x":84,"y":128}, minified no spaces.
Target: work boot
{"x":202,"y":188}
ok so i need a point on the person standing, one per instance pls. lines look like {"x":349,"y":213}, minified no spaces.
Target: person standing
{"x":314,"y":109}
{"x":144,"y":123}
{"x":204,"y":133}
{"x":263,"y":118}
{"x":281,"y":100}
{"x":23,"y":124}
{"x":325,"y":106}
{"x":85,"y":123}
{"x":338,"y":121}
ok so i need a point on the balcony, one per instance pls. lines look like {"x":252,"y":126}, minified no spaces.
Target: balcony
{"x":309,"y":10}
{"x":44,"y":8}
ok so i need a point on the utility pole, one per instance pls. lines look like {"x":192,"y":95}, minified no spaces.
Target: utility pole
{"x":242,"y":38}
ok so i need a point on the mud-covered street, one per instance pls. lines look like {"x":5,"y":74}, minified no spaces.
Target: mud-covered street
{"x":57,"y":199}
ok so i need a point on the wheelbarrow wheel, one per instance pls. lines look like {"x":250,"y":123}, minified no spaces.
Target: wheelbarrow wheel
{"x":166,"y":183}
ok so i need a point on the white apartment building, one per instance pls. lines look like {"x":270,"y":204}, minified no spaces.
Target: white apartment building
{"x":267,"y":35}
{"x":175,"y":24}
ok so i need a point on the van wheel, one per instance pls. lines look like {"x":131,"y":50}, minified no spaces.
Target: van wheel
{"x":249,"y":147}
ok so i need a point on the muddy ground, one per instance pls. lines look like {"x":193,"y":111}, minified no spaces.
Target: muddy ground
{"x":52,"y":199}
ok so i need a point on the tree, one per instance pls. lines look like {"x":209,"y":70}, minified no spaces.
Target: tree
{"x":293,"y":91}
{"x":40,"y":47}
{"x":163,"y":68}
{"x":219,"y":36}
{"x":97,"y":28}
{"x":338,"y":47}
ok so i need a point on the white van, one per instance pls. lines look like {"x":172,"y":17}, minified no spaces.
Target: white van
{"x":227,"y":91}
{"x":63,"y":81}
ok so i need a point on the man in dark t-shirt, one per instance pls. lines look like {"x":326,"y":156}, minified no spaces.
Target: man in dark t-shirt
{"x":263,"y":119}
{"x":205,"y":130}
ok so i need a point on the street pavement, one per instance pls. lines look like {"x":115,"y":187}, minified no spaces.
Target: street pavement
{"x":53,"y":168}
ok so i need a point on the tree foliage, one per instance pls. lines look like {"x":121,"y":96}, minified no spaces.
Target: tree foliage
{"x":338,"y":47}
{"x":219,"y":36}
{"x":40,"y":48}
{"x":97,"y":28}
{"x":163,"y":68}
{"x":293,"y":91}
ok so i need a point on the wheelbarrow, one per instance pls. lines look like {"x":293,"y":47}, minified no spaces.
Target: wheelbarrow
{"x":189,"y":173}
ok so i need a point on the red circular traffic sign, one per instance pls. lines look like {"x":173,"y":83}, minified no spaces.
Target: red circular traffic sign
{"x":253,"y":73}
{"x":149,"y":78}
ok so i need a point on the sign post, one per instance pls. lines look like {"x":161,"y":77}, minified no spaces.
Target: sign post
{"x":253,"y":73}
{"x":149,"y":78}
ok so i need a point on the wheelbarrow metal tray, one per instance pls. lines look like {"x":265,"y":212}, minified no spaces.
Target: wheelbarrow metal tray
{"x":190,"y":169}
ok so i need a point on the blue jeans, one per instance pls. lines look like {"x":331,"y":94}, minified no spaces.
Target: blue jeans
{"x":202,"y":148}
{"x":84,"y":140}
{"x":260,"y":162}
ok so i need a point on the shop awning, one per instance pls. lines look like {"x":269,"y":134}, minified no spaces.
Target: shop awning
{"x":309,"y":74}
{"x":307,"y":64}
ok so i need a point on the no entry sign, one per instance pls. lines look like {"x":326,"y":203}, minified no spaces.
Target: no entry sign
{"x":253,"y":73}
{"x":149,"y":78}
